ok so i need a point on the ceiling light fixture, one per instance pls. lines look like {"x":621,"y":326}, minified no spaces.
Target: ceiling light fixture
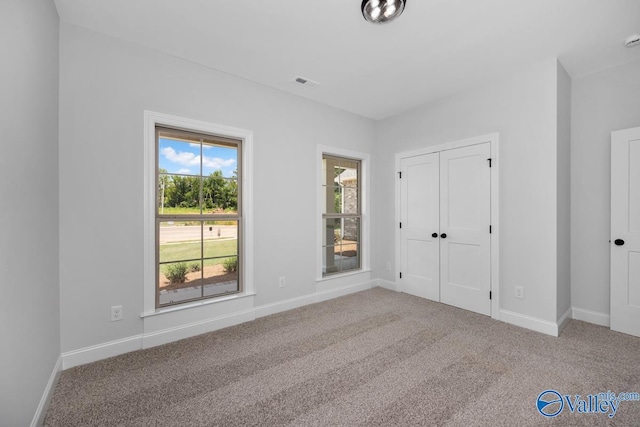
{"x":382,"y":11}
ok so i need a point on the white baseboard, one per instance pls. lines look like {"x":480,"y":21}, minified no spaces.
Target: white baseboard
{"x":591,"y":317}
{"x":342,"y":291}
{"x":101,"y":351}
{"x":529,"y":322}
{"x":41,"y":410}
{"x":387,"y":284}
{"x":564,"y":319}
{"x":167,"y":335}
{"x":280,"y":306}
{"x":290,"y":304}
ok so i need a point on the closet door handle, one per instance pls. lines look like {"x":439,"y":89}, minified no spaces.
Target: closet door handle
{"x":443,"y":235}
{"x":619,"y":242}
{"x":434,"y":235}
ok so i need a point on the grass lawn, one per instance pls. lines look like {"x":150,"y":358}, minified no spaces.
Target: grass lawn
{"x":185,"y":211}
{"x":221,"y":249}
{"x":179,"y":211}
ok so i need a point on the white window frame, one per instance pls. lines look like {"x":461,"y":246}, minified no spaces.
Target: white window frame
{"x":365,"y":247}
{"x":151,"y":120}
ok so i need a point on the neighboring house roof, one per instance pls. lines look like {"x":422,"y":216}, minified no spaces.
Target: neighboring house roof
{"x":347,"y":175}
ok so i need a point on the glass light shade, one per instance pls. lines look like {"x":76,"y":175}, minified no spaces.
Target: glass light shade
{"x":382,"y":11}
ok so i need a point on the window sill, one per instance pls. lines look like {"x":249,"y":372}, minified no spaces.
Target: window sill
{"x":195,"y":304}
{"x":340,"y":275}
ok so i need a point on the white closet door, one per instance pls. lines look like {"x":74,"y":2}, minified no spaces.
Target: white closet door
{"x":625,"y":231}
{"x":465,"y":216}
{"x":419,"y":211}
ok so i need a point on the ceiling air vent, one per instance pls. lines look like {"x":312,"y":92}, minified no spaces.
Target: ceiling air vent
{"x":632,"y":41}
{"x":306,"y":82}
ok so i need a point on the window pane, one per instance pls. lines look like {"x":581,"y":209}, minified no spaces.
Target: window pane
{"x":220,"y":276}
{"x":347,"y":250}
{"x":347,"y":173}
{"x":349,"y":200}
{"x":219,"y":158}
{"x":179,"y":281}
{"x":332,"y":231}
{"x":219,"y":194}
{"x":341,"y":200}
{"x":341,"y":231}
{"x":340,"y":258}
{"x":349,"y":257}
{"x":330,"y":264}
{"x":178,"y":157}
{"x":179,"y":241}
{"x":350,"y":230}
{"x":220,"y":239}
{"x":178,"y":195}
{"x":332,"y":196}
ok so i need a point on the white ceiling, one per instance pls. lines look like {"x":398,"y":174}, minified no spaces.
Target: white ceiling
{"x":436,"y":48}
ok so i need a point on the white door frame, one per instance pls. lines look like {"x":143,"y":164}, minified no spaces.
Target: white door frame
{"x":493,"y":140}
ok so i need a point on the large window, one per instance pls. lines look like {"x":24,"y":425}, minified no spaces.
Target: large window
{"x":198,"y":216}
{"x":341,"y":215}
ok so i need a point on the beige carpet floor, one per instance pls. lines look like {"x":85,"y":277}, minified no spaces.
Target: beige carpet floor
{"x":375,"y":358}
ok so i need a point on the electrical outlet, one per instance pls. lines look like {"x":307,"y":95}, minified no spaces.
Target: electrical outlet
{"x":282,"y":282}
{"x":116,"y":313}
{"x":388,"y":266}
{"x":519,"y":292}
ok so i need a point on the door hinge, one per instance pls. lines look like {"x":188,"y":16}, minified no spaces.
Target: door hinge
{"x":400,"y":175}
{"x":489,"y":229}
{"x":401,"y":275}
{"x":400,"y":225}
{"x":489,"y":162}
{"x":489,"y":294}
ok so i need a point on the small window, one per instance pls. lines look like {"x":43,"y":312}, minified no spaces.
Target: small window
{"x":198,"y":216}
{"x":342,"y":215}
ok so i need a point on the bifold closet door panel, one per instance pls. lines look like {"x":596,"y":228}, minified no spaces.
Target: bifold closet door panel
{"x":419,"y":214}
{"x":465,"y":217}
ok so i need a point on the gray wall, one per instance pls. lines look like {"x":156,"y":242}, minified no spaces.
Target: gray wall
{"x":602,"y":102}
{"x":522,"y":108}
{"x":105,"y":85}
{"x":29,"y":307}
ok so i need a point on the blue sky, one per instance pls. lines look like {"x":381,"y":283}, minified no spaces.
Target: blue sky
{"x":184,"y":158}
